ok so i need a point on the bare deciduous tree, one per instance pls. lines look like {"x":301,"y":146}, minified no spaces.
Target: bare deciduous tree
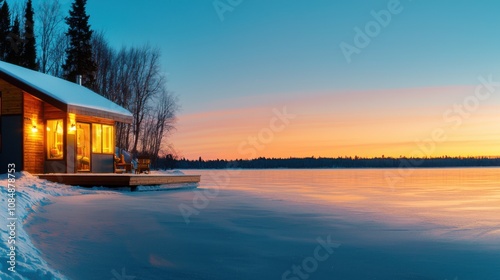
{"x":159,"y":123}
{"x":51,"y":36}
{"x":132,"y":78}
{"x":147,"y":81}
{"x":103,"y":55}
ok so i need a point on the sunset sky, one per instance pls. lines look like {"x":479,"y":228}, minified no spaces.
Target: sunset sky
{"x":234,"y":70}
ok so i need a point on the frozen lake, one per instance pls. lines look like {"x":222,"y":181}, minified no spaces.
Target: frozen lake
{"x":283,"y":224}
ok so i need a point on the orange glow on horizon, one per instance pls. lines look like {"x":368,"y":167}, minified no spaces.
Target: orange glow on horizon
{"x":392,"y":123}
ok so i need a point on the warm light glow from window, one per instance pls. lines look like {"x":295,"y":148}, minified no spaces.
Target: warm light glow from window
{"x":102,"y":139}
{"x":71,"y":124}
{"x":55,"y":139}
{"x":96,"y":138}
{"x":107,"y":139}
{"x":83,"y":147}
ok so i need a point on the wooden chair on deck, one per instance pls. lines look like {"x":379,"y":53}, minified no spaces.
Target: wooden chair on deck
{"x":121,"y":166}
{"x":143,"y":164}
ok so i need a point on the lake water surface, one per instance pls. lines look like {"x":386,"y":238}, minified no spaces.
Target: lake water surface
{"x":274,"y":224}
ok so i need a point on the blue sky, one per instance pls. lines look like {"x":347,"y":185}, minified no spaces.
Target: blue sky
{"x":270,"y":53}
{"x":282,"y":46}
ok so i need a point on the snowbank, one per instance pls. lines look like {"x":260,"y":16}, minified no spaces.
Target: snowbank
{"x":171,"y":172}
{"x":31,"y":193}
{"x":167,"y":187}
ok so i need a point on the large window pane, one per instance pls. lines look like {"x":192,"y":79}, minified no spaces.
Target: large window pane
{"x":97,"y":138}
{"x":55,"y":133}
{"x":107,"y":139}
{"x":83,"y":147}
{"x":102,"y":139}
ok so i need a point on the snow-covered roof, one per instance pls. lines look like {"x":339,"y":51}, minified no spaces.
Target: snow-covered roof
{"x":67,"y":96}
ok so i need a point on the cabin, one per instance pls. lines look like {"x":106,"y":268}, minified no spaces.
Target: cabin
{"x":50,"y":125}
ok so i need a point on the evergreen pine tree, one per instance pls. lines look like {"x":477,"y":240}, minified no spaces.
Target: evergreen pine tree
{"x":79,"y":53}
{"x":15,"y":44}
{"x":28,"y":55}
{"x":4,"y":30}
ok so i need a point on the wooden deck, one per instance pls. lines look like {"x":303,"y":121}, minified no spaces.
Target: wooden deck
{"x":119,"y":180}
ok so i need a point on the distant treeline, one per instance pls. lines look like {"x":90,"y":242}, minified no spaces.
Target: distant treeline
{"x":340,"y":162}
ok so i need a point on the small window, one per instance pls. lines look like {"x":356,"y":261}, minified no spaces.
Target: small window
{"x":102,"y":139}
{"x":55,"y":133}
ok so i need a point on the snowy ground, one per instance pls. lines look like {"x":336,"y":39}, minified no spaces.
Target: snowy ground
{"x":31,"y":194}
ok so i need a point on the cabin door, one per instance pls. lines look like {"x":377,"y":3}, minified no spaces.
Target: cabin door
{"x":83,"y":147}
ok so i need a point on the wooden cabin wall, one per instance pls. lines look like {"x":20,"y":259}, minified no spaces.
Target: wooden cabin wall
{"x":88,"y":119}
{"x":34,"y":148}
{"x":12,"y":99}
{"x":12,"y":127}
{"x":51,"y":112}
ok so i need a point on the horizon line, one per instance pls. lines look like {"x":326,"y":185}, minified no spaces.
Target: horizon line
{"x":347,"y":157}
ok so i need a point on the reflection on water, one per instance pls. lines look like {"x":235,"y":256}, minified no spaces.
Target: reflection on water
{"x":435,"y":224}
{"x":460,"y":203}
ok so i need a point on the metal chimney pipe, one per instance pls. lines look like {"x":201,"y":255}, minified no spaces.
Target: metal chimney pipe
{"x":79,"y":79}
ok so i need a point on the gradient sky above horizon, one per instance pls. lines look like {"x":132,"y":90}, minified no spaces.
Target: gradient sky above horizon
{"x":269,"y":54}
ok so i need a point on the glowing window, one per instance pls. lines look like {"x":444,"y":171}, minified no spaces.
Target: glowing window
{"x":107,"y":139}
{"x":102,"y":139}
{"x":96,"y":138}
{"x":55,"y":133}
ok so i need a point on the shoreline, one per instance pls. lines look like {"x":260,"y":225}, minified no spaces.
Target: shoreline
{"x":32,"y":194}
{"x":29,"y":198}
{"x":340,"y":168}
